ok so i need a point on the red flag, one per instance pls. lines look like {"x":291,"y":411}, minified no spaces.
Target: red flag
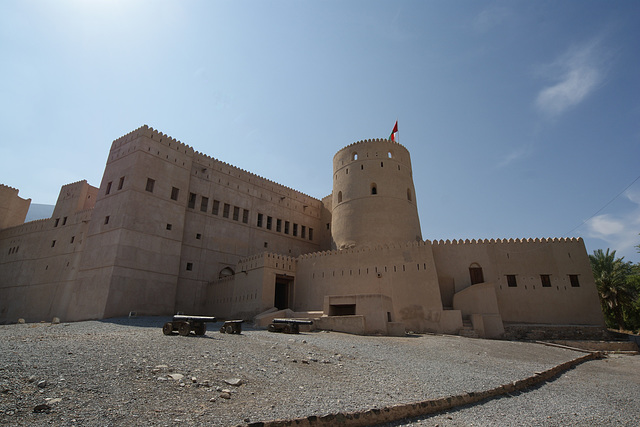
{"x":392,"y":137}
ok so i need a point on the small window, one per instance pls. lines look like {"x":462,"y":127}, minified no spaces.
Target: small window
{"x":511,"y":281}
{"x":545,"y":279}
{"x":57,"y":222}
{"x":192,"y":201}
{"x":245,"y":216}
{"x":381,"y":164}
{"x":266,"y":244}
{"x":408,"y":194}
{"x":121,"y":183}
{"x":169,"y":226}
{"x":108,"y":187}
{"x":374,"y":189}
{"x":354,"y":156}
{"x":216,"y":207}
{"x":295,"y":230}
{"x":204,"y":204}
{"x":106,"y":219}
{"x":286,"y":227}
{"x":72,"y":239}
{"x":236,"y":213}
{"x":189,"y":266}
{"x":269,"y":221}
{"x":278,"y":225}
{"x":64,"y":220}
{"x":53,"y":243}
{"x":225,"y":210}
{"x":339,"y":196}
{"x":198,"y":236}
{"x":310,"y":233}
{"x":303,"y":232}
{"x":150,"y":184}
{"x":575,"y":283}
{"x":389,"y":155}
{"x":259,"y":223}
{"x":174,"y":193}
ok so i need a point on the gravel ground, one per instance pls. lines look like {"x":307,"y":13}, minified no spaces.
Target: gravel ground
{"x":124,"y":371}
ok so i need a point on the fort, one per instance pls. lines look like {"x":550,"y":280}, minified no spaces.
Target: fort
{"x":173,"y":230}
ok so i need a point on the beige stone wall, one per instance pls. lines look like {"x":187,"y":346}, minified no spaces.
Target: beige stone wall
{"x":404,"y":272}
{"x":360,"y":217}
{"x":40,"y":260}
{"x":527,"y":260}
{"x":13,"y":208}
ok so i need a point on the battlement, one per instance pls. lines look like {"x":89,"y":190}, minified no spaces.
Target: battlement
{"x":502,"y":241}
{"x":6,"y":187}
{"x":364,"y":249}
{"x":202,"y":158}
{"x":364,"y":141}
{"x":150,"y":133}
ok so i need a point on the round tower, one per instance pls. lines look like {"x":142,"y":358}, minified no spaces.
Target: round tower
{"x":374,"y":200}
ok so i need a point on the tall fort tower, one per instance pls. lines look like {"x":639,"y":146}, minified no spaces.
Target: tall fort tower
{"x":374,"y":200}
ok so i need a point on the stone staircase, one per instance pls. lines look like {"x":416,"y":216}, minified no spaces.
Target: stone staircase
{"x":467,"y":330}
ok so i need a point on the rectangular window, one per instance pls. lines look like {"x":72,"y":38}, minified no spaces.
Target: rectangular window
{"x":192,"y":201}
{"x":204,"y":204}
{"x":236,"y":213}
{"x":174,"y":193}
{"x":278,"y":225}
{"x":575,"y":283}
{"x":225,"y":210}
{"x":245,"y":216}
{"x":57,"y":221}
{"x":310,"y":233}
{"x":198,"y":236}
{"x":269,"y":221}
{"x":106,"y":219}
{"x":108,"y":187}
{"x":295,"y":229}
{"x":121,"y":183}
{"x":150,"y":184}
{"x":546,"y":280}
{"x":511,"y":280}
{"x":286,"y":227}
{"x":303,"y":232}
{"x":169,"y":226}
{"x":189,"y":266}
{"x":259,"y":224}
{"x":64,"y":220}
{"x":216,"y":207}
{"x":72,"y":239}
{"x":53,"y":243}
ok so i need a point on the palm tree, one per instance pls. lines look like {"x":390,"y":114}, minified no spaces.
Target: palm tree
{"x":610,"y":274}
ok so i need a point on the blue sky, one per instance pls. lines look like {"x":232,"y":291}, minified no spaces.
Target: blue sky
{"x":522,"y":118}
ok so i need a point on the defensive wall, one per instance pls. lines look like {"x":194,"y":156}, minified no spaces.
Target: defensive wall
{"x":536,"y":281}
{"x":13,"y":208}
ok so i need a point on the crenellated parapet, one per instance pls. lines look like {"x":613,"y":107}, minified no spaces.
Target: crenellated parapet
{"x":503,"y":241}
{"x":365,"y":249}
{"x":375,"y":140}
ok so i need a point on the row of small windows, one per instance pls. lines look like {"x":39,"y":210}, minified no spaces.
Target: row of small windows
{"x":354,"y":155}
{"x":53,"y":242}
{"x":13,"y":250}
{"x":57,"y":222}
{"x":110,"y":183}
{"x":288,"y":227}
{"x":215,"y":210}
{"x":346,"y":171}
{"x":374,"y":191}
{"x":545,"y":280}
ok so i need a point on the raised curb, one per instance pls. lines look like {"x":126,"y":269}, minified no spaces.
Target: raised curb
{"x":425,"y":407}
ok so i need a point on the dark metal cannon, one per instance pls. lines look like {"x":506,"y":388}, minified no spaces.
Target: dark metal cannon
{"x":231,"y":327}
{"x":183,"y":325}
{"x":288,"y":326}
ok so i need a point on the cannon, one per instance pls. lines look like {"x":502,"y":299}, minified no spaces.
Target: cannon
{"x":288,"y":326}
{"x":231,"y":327}
{"x":183,"y":325}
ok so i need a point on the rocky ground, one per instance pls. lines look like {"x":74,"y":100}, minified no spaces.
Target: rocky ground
{"x":125,"y":371}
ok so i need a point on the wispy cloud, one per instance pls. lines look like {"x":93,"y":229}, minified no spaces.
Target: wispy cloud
{"x":619,"y":231}
{"x":575,"y":75}
{"x":515,"y":155}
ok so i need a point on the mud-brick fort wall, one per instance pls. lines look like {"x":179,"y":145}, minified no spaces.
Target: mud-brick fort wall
{"x":40,"y":259}
{"x":13,"y":208}
{"x":543,"y":281}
